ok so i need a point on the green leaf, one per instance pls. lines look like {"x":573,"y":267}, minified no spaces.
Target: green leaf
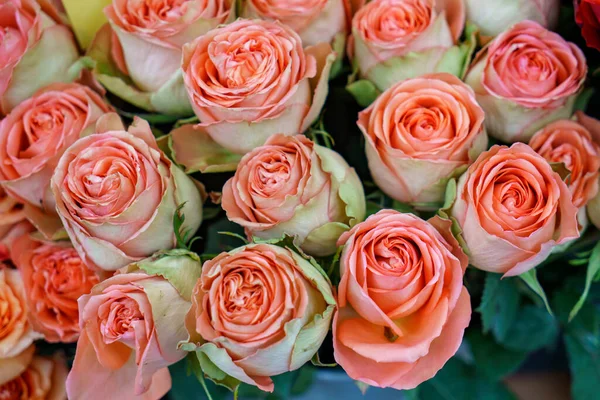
{"x":304,"y":379}
{"x":151,"y":118}
{"x":593,"y":270}
{"x":235,"y":235}
{"x":493,"y":360}
{"x":532,"y":330}
{"x":187,"y":387}
{"x":178,"y":220}
{"x":316,"y":361}
{"x":499,"y":305}
{"x":530,"y":278}
{"x":363,"y":91}
{"x":561,"y":169}
{"x":581,"y":104}
{"x":403,"y":207}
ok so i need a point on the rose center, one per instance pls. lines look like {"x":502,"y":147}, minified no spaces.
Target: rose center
{"x":62,"y":272}
{"x":119,"y":320}
{"x":534,"y":66}
{"x":242,"y":64}
{"x":515,"y":194}
{"x":7,"y":315}
{"x":242,"y":291}
{"x":395,"y":255}
{"x":149,"y":13}
{"x":14,"y":390}
{"x":272,"y":173}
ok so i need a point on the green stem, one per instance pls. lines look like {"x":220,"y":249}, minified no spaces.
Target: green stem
{"x":236,"y":392}
{"x":203,"y":383}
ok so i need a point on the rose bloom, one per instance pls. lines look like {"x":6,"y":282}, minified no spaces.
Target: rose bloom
{"x":36,"y":133}
{"x":44,"y":379}
{"x":420,"y":133}
{"x":258,"y":311}
{"x":315,"y":21}
{"x":574,"y":143}
{"x":12,"y":223}
{"x":525,"y":79}
{"x":403,"y":308}
{"x":116,"y":194}
{"x":513,"y":209}
{"x":394,"y":40}
{"x":587,"y":15}
{"x":291,"y":186}
{"x":243,"y":94}
{"x":143,"y":42}
{"x":35,"y":50}
{"x":54,"y":277}
{"x":493,"y":17}
{"x":16,"y":333}
{"x":130,"y":327}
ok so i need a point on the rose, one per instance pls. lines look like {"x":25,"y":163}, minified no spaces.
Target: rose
{"x":403,"y":308}
{"x":315,"y":21}
{"x":573,"y":143}
{"x":291,"y":186}
{"x":525,"y":79}
{"x":394,"y":40}
{"x":420,"y":133}
{"x":243,"y":94}
{"x":16,"y":333}
{"x":587,"y":15}
{"x":493,"y":17}
{"x":131,"y":324}
{"x":54,"y":277}
{"x":513,"y":209}
{"x":258,"y":311}
{"x":14,"y":366}
{"x":12,"y":223}
{"x":116,"y":194}
{"x":35,"y":50}
{"x":138,"y":29}
{"x":35,"y":134}
{"x":43,"y":379}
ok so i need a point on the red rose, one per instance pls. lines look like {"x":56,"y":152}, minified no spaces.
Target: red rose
{"x":587,"y":15}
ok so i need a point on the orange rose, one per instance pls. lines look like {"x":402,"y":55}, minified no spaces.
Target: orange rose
{"x":12,"y":223}
{"x":403,"y":308}
{"x":513,"y":209}
{"x":573,"y":143}
{"x":54,"y":277}
{"x":44,"y":379}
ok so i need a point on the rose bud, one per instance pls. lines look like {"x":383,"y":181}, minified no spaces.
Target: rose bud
{"x":43,"y":379}
{"x":131,"y":325}
{"x":513,"y":209}
{"x":587,"y":15}
{"x":394,"y":40}
{"x":420,"y":133}
{"x":16,"y":333}
{"x":493,"y":17}
{"x":244,"y":94}
{"x":258,"y":311}
{"x":12,"y":223}
{"x":36,"y":49}
{"x":54,"y":277}
{"x":403,"y":308}
{"x":36,"y":133}
{"x":116,"y":193}
{"x":574,"y":143}
{"x":291,"y":186}
{"x":138,"y":54}
{"x":526,"y":78}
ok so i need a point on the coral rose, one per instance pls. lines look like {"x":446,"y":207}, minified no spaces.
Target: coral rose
{"x":526,"y":78}
{"x":258,"y":311}
{"x":513,"y":209}
{"x":245,"y":93}
{"x":12,"y":223}
{"x":403,"y":308}
{"x":587,"y":15}
{"x":420,"y":133}
{"x":36,"y":49}
{"x":116,"y":193}
{"x":394,"y":40}
{"x":574,"y":143}
{"x":54,"y":277}
{"x":44,"y":379}
{"x":291,"y":186}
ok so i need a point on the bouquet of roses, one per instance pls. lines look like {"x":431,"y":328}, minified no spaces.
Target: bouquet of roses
{"x":206,"y":197}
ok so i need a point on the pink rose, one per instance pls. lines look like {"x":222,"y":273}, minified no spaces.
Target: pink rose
{"x":43,"y":379}
{"x":513,"y":209}
{"x":291,"y":186}
{"x":243,"y":94}
{"x":403,"y":308}
{"x":35,"y":50}
{"x":12,"y":223}
{"x":525,"y":79}
{"x":420,"y":133}
{"x":116,"y":193}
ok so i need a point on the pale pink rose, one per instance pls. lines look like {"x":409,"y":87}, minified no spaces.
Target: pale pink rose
{"x":513,"y":209}
{"x":54,"y":277}
{"x":574,"y":143}
{"x":420,"y":133}
{"x":526,"y":78}
{"x":13,"y":223}
{"x":130,"y":327}
{"x":258,"y":311}
{"x":34,"y":135}
{"x":116,"y":193}
{"x":44,"y":379}
{"x":243,"y":94}
{"x":394,"y":40}
{"x":315,"y":21}
{"x":291,"y":186}
{"x":35,"y":50}
{"x":403,"y":308}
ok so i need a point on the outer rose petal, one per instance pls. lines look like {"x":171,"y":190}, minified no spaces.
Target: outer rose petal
{"x":14,"y":366}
